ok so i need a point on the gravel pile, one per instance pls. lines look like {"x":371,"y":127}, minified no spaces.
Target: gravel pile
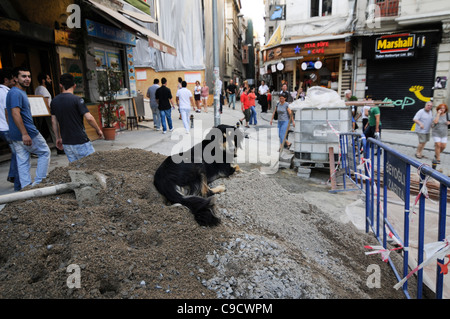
{"x":271,"y":243}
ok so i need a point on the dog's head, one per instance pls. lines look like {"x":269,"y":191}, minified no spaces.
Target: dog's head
{"x":230,"y":137}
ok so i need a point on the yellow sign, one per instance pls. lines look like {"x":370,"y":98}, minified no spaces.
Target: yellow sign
{"x":276,"y":38}
{"x":395,"y":43}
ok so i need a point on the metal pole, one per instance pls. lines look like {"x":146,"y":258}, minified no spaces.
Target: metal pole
{"x":217,"y":87}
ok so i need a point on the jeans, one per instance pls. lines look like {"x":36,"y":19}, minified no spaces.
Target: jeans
{"x":40,"y":148}
{"x":253,"y":119}
{"x":166,"y":114}
{"x":13,"y":172}
{"x":282,"y":128}
{"x":156,"y":116}
{"x":78,"y":151}
{"x":232,"y":98}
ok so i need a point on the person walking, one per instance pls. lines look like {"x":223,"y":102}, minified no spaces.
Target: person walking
{"x":285,"y":116}
{"x":6,"y":83}
{"x":154,"y":104}
{"x":245,"y":106}
{"x":45,"y":81}
{"x":423,"y":120}
{"x":373,"y":127}
{"x":197,"y":96}
{"x":262,"y":90}
{"x":252,"y":104}
{"x":440,"y":131}
{"x":204,"y":96}
{"x":68,"y":112}
{"x":185,"y":100}
{"x":25,"y":137}
{"x":231,"y":90}
{"x":165,"y":105}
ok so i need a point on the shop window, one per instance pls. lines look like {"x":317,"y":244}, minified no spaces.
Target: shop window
{"x":321,"y":8}
{"x":107,"y":59}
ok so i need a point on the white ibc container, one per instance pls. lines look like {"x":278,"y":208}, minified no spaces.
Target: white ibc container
{"x":316,"y":130}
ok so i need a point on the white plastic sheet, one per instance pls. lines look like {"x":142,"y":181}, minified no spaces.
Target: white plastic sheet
{"x":319,"y":97}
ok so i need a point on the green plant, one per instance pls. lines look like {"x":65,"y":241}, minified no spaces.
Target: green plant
{"x":109,"y":83}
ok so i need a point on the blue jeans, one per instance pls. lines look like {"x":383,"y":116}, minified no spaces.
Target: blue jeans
{"x":282,"y":128}
{"x":232,"y":98}
{"x":253,"y":119}
{"x":156,"y":116}
{"x":40,"y":148}
{"x":166,"y":114}
{"x":13,"y":172}
{"x":78,"y":151}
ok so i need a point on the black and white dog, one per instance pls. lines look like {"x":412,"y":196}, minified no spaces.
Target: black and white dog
{"x":184,"y":178}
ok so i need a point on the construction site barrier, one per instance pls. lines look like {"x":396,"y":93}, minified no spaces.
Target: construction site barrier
{"x":379,"y":168}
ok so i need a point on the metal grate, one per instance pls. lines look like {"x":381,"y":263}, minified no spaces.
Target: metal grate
{"x":388,"y":8}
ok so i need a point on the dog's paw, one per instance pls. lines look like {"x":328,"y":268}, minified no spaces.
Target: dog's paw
{"x":218,"y":189}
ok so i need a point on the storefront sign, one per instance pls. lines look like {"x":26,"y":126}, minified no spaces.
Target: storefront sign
{"x":102,"y":31}
{"x":306,"y":50}
{"x":395,"y":46}
{"x":395,"y":173}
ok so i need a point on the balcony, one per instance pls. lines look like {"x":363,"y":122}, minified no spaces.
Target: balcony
{"x":388,"y":8}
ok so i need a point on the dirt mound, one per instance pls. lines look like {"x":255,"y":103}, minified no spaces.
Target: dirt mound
{"x":270,"y":244}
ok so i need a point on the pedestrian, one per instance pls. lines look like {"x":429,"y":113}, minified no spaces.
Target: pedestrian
{"x":284,"y":89}
{"x":245,"y":106}
{"x":68,"y":112}
{"x":231,"y":90}
{"x":179,"y":87}
{"x":262,"y":91}
{"x":45,"y":81}
{"x":165,"y":105}
{"x":204,"y":96}
{"x":440,"y":131}
{"x":364,"y":114}
{"x":300,"y":94}
{"x":251,"y":102}
{"x":185,"y":100}
{"x":6,"y":83}
{"x":154,"y":104}
{"x":197,"y":96}
{"x":25,"y":137}
{"x":285,"y":116}
{"x":423,"y":120}
{"x":373,"y":127}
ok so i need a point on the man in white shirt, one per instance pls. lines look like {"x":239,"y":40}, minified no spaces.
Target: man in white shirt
{"x":6,"y":82}
{"x":185,"y":100}
{"x":262,"y":90}
{"x":44,"y":80}
{"x":423,"y":120}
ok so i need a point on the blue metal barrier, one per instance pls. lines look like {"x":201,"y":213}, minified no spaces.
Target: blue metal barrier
{"x":396,"y":169}
{"x":351,"y":146}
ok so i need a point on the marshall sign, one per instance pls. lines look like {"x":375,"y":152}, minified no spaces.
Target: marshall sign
{"x":395,"y":46}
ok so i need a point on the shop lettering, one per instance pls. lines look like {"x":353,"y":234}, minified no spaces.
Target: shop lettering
{"x":406,"y":101}
{"x":316,"y":47}
{"x":398,"y":44}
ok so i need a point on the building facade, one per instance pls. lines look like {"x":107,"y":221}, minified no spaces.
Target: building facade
{"x":402,"y":56}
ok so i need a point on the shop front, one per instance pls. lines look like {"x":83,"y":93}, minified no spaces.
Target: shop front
{"x":318,"y":62}
{"x":401,"y":69}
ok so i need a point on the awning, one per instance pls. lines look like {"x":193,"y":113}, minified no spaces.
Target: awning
{"x":140,"y":16}
{"x":154,"y":40}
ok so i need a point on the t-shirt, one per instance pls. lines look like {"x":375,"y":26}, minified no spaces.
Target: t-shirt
{"x":3,"y":93}
{"x":375,"y":110}
{"x":251,"y":99}
{"x":282,"y":110}
{"x":441,"y":128}
{"x":197,"y":89}
{"x":18,"y":98}
{"x":69,"y":110}
{"x":426,"y":118}
{"x":163,"y":94}
{"x":205,"y":91}
{"x":184,"y":95}
{"x":363,"y":112}
{"x":232,"y":88}
{"x":42,"y":90}
{"x":244,"y":100}
{"x":151,"y":92}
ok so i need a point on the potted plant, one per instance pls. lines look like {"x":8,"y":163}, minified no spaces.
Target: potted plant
{"x":109,"y":83}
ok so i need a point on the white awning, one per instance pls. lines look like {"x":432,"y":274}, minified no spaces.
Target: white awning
{"x":140,"y":16}
{"x":154,"y":40}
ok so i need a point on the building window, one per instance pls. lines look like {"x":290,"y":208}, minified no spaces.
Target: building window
{"x":321,"y":8}
{"x":388,"y":8}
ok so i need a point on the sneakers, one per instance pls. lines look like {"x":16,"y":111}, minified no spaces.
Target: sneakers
{"x":171,"y":130}
{"x":164,"y":132}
